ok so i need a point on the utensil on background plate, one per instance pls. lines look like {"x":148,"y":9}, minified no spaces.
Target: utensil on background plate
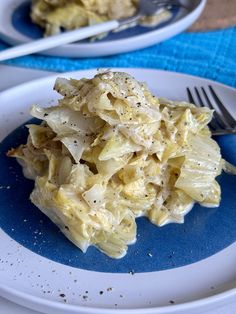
{"x":223,"y":122}
{"x":146,"y":8}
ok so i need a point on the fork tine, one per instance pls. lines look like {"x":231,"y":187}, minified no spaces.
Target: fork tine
{"x":231,"y":122}
{"x":213,"y":124}
{"x":199,"y":97}
{"x":190,"y":96}
{"x":218,"y":119}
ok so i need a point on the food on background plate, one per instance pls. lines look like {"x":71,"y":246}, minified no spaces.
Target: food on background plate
{"x":57,"y":15}
{"x":110,"y":152}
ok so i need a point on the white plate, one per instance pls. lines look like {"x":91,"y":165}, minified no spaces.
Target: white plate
{"x":16,"y":28}
{"x":44,"y":284}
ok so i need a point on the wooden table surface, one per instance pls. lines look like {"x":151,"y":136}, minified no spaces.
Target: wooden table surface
{"x":217,"y":14}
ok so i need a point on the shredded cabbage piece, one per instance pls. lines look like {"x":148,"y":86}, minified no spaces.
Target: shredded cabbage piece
{"x":110,"y":152}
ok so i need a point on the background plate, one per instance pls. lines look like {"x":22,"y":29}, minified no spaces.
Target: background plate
{"x":38,"y":277}
{"x":16,"y":27}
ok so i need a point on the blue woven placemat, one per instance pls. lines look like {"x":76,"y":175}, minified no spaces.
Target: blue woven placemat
{"x":210,"y":54}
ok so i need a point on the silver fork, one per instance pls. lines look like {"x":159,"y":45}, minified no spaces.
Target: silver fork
{"x":222,"y":122}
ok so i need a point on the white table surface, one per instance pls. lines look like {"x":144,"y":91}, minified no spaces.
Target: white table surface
{"x":9,"y":77}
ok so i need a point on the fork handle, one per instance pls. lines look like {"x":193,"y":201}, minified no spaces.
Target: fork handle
{"x":57,"y":40}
